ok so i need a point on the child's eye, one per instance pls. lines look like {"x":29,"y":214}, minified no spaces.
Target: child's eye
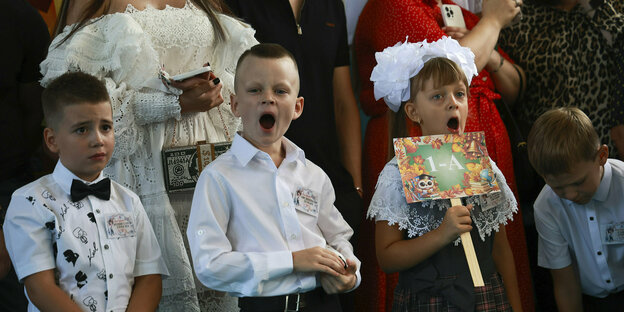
{"x":253,"y":90}
{"x":436,"y":97}
{"x":107,"y":127}
{"x":81,"y":130}
{"x":281,"y":91}
{"x":460,"y":94}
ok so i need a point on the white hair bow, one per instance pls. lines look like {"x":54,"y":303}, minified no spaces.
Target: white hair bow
{"x":397,"y":64}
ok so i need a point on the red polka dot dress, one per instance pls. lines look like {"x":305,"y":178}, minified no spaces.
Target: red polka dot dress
{"x":383,"y":23}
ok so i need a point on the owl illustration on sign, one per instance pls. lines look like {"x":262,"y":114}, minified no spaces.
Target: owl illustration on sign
{"x":425,"y":186}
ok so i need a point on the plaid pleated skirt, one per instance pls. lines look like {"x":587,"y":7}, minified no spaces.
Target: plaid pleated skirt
{"x":491,"y":298}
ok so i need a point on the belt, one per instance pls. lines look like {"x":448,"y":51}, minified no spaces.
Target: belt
{"x":287,"y":303}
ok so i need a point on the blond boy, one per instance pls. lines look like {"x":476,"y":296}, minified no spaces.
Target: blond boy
{"x":578,"y":212}
{"x":263,"y":226}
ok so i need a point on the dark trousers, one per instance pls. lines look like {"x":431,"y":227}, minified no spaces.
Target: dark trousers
{"x":314,"y":301}
{"x":613,"y":302}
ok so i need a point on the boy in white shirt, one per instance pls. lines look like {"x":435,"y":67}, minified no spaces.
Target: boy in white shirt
{"x":579,"y":214}
{"x":78,"y":241}
{"x":263,"y":226}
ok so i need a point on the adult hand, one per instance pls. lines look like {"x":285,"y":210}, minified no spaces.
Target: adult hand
{"x":341,"y":283}
{"x":456,"y":32}
{"x":456,"y":221}
{"x":200,"y":93}
{"x":501,"y":12}
{"x":317,"y":259}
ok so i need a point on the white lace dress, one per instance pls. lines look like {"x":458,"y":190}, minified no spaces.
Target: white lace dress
{"x":127,"y":50}
{"x":389,"y":204}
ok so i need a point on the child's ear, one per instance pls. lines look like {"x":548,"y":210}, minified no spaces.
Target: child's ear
{"x":603,"y":154}
{"x":234,"y":105}
{"x":298,"y":108}
{"x":50,"y":140}
{"x":411,"y":112}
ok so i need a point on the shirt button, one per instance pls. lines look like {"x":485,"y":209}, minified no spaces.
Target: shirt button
{"x":608,"y":281}
{"x":484,"y":79}
{"x":293,"y":236}
{"x":97,"y":210}
{"x":200,"y":232}
{"x":110,"y":275}
{"x":285,"y":204}
{"x":599,"y":253}
{"x":106,"y":246}
{"x":591,"y":218}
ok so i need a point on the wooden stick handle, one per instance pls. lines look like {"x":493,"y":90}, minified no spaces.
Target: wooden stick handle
{"x":471,"y":256}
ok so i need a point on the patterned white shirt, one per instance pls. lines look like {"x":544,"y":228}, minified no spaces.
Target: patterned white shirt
{"x":96,"y":263}
{"x":248,"y":216}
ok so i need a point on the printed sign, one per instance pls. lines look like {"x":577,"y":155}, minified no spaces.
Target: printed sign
{"x":444,"y":166}
{"x":182,"y":165}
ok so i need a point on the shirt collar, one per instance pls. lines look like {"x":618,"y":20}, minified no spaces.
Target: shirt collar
{"x":245,"y":151}
{"x":63,"y":177}
{"x":605,"y":183}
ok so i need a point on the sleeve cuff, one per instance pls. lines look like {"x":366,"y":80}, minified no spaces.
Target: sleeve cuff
{"x":152,"y":267}
{"x":278,"y":264}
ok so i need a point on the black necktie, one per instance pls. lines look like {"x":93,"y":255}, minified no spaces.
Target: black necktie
{"x":101,"y":190}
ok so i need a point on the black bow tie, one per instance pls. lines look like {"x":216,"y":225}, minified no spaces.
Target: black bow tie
{"x":101,"y":190}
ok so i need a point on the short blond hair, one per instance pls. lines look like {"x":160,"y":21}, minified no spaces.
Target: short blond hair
{"x":561,"y":138}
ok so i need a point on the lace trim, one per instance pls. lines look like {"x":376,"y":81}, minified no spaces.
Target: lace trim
{"x":156,"y":107}
{"x":114,"y":46}
{"x":183,"y":301}
{"x":389,"y":204}
{"x":188,"y":20}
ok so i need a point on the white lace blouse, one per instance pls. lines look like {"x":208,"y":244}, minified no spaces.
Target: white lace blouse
{"x":389,"y":204}
{"x":127,"y":50}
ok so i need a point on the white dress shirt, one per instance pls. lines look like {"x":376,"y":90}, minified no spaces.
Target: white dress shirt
{"x":45,"y":230}
{"x":248,"y":216}
{"x":571,"y":234}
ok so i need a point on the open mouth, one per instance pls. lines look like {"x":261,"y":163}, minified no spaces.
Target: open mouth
{"x":453,"y":124}
{"x":267,"y":121}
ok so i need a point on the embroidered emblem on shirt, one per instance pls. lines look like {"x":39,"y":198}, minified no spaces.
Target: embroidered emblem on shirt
{"x":81,"y":279}
{"x":80,"y":234}
{"x":306,"y":200}
{"x":91,"y":303}
{"x":119,"y":225}
{"x":71,"y":256}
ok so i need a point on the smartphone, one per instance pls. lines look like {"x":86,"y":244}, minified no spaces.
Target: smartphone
{"x":452,"y":16}
{"x":165,"y":76}
{"x":191,"y":73}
